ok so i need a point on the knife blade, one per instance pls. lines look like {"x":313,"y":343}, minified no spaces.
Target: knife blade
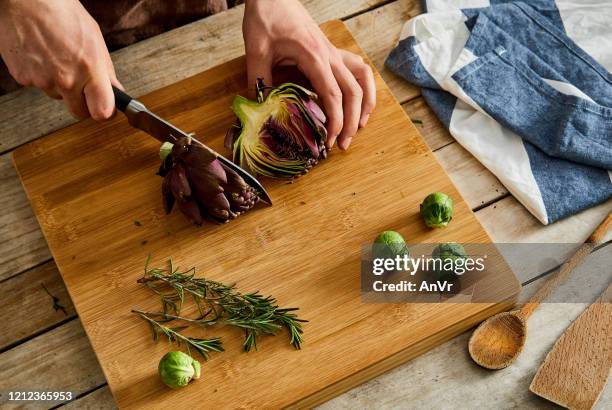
{"x":140,"y":117}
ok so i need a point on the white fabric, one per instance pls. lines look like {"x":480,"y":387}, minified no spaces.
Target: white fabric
{"x":441,"y":38}
{"x":441,"y":35}
{"x":588,"y":22}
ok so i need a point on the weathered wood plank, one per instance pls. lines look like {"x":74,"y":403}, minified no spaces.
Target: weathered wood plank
{"x":475,"y":183}
{"x":435,"y":133}
{"x":100,"y":399}
{"x":507,"y":221}
{"x":151,"y":64}
{"x":21,"y":241}
{"x":27,"y":308}
{"x":377,"y":33}
{"x":59,"y":360}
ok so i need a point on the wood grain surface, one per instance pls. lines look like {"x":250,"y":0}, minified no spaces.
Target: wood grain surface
{"x":90,"y":182}
{"x":577,"y":368}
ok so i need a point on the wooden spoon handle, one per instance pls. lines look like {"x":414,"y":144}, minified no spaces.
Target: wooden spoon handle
{"x":596,"y":238}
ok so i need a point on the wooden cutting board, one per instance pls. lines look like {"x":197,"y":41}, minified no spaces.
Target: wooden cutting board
{"x":90,"y":183}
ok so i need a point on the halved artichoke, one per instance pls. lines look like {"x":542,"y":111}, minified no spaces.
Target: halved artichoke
{"x":280,"y":136}
{"x":201,"y":185}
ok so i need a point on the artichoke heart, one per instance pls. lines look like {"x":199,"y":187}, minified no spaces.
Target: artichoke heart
{"x":200,"y":185}
{"x":282,"y":135}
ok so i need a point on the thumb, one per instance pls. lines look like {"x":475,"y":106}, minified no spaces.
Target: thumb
{"x":258,"y":67}
{"x":99,"y":97}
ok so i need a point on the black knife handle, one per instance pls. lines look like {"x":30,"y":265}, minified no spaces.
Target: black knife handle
{"x":121,"y":99}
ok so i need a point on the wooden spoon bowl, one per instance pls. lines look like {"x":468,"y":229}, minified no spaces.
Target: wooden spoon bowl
{"x":499,"y":340}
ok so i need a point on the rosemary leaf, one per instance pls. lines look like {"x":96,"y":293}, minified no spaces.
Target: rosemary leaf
{"x":202,"y":346}
{"x":216,"y":302}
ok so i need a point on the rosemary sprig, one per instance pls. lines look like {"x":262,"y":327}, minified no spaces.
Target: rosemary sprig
{"x":219,"y":303}
{"x":202,"y":346}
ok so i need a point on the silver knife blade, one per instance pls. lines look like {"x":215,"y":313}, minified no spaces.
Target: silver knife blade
{"x":140,"y":117}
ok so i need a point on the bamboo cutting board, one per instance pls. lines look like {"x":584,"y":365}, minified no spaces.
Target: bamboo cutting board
{"x":90,"y":183}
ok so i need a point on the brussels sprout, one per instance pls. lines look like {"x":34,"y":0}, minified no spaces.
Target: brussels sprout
{"x":390,"y":244}
{"x":177,"y":369}
{"x":437,"y":210}
{"x":449,"y":260}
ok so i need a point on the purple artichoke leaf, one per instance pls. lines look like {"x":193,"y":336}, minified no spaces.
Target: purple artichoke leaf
{"x":191,"y":210}
{"x":315,"y":111}
{"x":201,"y":162}
{"x":167,"y":196}
{"x":178,"y":183}
{"x":300,"y":121}
{"x":217,"y":208}
{"x":241,"y":196}
{"x":231,"y":135}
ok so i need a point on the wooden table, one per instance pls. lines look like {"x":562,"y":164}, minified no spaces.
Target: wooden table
{"x":47,"y":349}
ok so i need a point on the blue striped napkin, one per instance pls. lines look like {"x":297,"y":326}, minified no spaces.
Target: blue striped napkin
{"x":525,"y":88}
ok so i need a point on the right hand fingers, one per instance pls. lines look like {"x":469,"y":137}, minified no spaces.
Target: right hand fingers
{"x":319,"y":73}
{"x":351,"y":102}
{"x":365,"y":77}
{"x":75,"y":102}
{"x":91,"y":96}
{"x":99,"y":96}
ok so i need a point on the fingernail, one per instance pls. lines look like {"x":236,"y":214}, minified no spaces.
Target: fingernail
{"x":330,"y":142}
{"x":364,"y":121}
{"x":344,"y":144}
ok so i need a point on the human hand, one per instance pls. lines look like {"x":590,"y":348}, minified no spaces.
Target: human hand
{"x":283,"y":33}
{"x":57,"y":46}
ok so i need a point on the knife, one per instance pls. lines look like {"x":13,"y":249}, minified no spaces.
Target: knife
{"x":140,"y":117}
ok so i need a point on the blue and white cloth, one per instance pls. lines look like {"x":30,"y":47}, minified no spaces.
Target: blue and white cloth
{"x":525,"y":87}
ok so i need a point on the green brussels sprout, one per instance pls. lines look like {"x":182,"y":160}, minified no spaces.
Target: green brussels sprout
{"x":177,"y":369}
{"x":437,"y":210}
{"x":449,"y":260}
{"x":390,"y":244}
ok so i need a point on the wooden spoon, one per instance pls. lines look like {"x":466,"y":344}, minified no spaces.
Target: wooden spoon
{"x":499,"y":340}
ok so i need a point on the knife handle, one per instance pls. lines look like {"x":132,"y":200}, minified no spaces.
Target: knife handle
{"x":121,"y":99}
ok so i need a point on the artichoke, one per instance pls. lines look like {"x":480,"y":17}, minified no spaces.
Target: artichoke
{"x":200,"y":185}
{"x":281,"y":136}
{"x":437,"y":210}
